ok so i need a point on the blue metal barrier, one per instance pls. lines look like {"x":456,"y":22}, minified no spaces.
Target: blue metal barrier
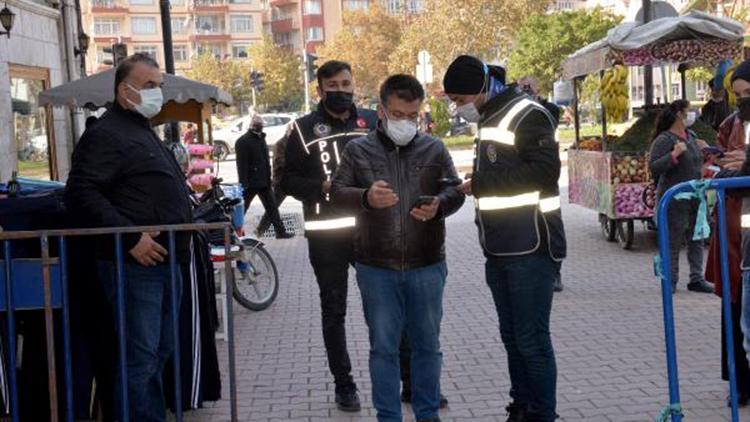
{"x":663,"y":270}
{"x":22,"y":290}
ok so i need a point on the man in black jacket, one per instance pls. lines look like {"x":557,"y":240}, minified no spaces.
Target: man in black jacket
{"x":122,"y":175}
{"x":254,"y":171}
{"x":515,"y":175}
{"x":398,"y":183}
{"x":313,"y":153}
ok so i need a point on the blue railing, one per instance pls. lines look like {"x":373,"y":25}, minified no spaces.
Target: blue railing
{"x":664,"y":272}
{"x":21,"y":288}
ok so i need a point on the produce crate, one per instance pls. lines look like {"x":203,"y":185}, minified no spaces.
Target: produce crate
{"x":615,"y":184}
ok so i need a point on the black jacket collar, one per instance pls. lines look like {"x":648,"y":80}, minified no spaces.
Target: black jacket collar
{"x":500,"y":100}
{"x":130,"y":115}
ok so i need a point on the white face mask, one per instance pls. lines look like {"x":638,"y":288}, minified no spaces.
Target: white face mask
{"x":151,"y":101}
{"x":469,"y":112}
{"x":401,"y":132}
{"x":690,"y":119}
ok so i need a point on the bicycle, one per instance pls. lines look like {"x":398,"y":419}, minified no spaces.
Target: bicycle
{"x":256,"y":279}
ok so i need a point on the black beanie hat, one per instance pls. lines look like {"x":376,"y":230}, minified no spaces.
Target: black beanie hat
{"x":466,"y":75}
{"x":742,"y":72}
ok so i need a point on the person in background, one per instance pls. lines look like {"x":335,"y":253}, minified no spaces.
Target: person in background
{"x":677,"y":156}
{"x":529,"y":85}
{"x":190,"y":133}
{"x":399,"y":244}
{"x":254,"y":172}
{"x":515,"y":183}
{"x":277,"y":173}
{"x":123,"y":175}
{"x":716,"y":109}
{"x":731,"y":139}
{"x":312,"y":156}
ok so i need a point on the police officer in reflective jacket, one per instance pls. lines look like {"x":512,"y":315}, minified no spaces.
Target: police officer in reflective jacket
{"x":313,"y":152}
{"x":514,"y":182}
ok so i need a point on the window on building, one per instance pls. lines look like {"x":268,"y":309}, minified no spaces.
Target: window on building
{"x":209,"y":24}
{"x":314,"y":33}
{"x":180,"y":53}
{"x":32,"y":127}
{"x":676,"y":91}
{"x":239,"y":51}
{"x":283,"y":38}
{"x":146,"y":49}
{"x":143,"y":25}
{"x":414,"y":6}
{"x":356,"y":5}
{"x":178,"y":26}
{"x":106,"y":26}
{"x":213,"y":49}
{"x":312,"y":7}
{"x":242,"y":23}
{"x":141,"y":2}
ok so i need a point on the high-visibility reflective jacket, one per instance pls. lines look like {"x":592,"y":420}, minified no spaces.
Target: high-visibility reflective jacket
{"x":316,"y":142}
{"x":516,"y":169}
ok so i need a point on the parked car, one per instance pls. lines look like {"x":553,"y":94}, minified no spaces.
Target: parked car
{"x":275,"y":126}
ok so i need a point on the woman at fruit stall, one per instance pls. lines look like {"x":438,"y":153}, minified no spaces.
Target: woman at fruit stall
{"x":731,"y":139}
{"x":677,"y":156}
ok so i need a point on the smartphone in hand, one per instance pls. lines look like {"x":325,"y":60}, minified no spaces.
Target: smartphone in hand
{"x":423,"y":200}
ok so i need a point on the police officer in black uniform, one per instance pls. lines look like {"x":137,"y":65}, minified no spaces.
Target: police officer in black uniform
{"x":514,"y":181}
{"x":314,"y":149}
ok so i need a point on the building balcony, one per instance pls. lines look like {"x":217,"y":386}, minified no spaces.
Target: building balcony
{"x":209,"y":37}
{"x":281,"y":3}
{"x":210,"y":5}
{"x":111,"y":39}
{"x":280,"y":26}
{"x":109,"y":7}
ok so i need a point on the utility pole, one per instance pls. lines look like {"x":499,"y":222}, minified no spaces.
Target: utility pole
{"x":648,"y":71}
{"x":305,"y":76}
{"x":166,"y":34}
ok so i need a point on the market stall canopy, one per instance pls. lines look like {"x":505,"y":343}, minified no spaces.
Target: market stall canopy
{"x":696,"y":37}
{"x":97,"y":91}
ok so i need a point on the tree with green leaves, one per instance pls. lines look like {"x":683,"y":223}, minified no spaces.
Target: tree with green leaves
{"x":545,"y":40}
{"x":365,"y":41}
{"x":447,"y":28}
{"x":231,"y":75}
{"x":282,"y":75}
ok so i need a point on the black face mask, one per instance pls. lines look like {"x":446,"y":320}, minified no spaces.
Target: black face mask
{"x":338,"y":101}
{"x":743,"y":104}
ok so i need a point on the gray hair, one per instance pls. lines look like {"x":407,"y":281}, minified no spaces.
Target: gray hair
{"x":126,"y":66}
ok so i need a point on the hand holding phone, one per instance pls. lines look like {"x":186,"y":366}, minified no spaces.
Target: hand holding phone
{"x":425,"y":208}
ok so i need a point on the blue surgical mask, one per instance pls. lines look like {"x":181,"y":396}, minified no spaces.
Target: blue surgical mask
{"x":151,"y":101}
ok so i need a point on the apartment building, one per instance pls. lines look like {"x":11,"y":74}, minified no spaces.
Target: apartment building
{"x":226,"y":28}
{"x":294,"y":22}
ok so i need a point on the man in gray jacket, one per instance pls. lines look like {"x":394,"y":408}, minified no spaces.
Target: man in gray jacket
{"x":399,"y":184}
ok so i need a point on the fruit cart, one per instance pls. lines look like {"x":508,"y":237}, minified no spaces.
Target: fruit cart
{"x":610,"y":174}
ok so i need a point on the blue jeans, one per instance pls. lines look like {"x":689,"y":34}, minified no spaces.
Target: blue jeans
{"x":395,"y":301}
{"x":149,"y":334}
{"x":522,"y":288}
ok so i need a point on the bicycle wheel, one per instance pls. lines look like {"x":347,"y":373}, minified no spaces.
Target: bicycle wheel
{"x":256,"y":279}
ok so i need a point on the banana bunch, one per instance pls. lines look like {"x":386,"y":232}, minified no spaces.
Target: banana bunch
{"x":728,"y":86}
{"x":614,"y":93}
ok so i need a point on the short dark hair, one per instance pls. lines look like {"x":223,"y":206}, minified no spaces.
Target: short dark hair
{"x":330,"y":69}
{"x":405,"y":87}
{"x":126,"y":66}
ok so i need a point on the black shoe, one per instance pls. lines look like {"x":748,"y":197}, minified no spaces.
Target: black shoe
{"x":284,"y":235}
{"x":700,"y":286}
{"x":558,"y":286}
{"x":516,"y":412}
{"x":743,"y":398}
{"x":406,"y":398}
{"x":348,"y":400}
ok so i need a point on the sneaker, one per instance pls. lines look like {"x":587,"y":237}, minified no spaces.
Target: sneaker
{"x":348,"y":400}
{"x":743,"y":399}
{"x":284,"y":235}
{"x":558,"y":286}
{"x":700,"y":286}
{"x":406,"y":398}
{"x":516,"y":412}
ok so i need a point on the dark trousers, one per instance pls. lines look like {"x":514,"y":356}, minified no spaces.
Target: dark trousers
{"x":278,"y":199}
{"x":522,"y":288}
{"x":331,"y":257}
{"x":269,"y":203}
{"x":150,"y":334}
